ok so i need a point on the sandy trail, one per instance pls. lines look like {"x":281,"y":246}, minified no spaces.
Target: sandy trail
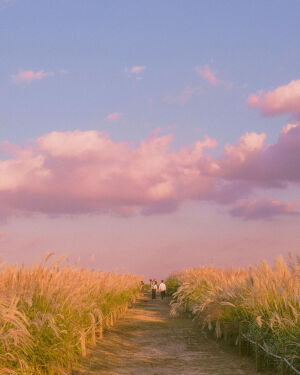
{"x":149,"y":342}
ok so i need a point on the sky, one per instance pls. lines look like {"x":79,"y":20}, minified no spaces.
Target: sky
{"x":149,"y":136}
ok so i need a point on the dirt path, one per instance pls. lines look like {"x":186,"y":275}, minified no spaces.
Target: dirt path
{"x":148,"y":342}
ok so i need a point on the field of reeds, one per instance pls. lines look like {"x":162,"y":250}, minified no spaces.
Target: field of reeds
{"x":258,"y":303}
{"x":50,"y":313}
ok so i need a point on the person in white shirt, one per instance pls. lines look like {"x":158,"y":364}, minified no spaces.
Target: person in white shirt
{"x":153,"y":286}
{"x":162,"y":289}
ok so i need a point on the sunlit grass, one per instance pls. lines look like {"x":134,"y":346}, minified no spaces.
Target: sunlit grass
{"x":49,"y":313}
{"x":265,"y":299}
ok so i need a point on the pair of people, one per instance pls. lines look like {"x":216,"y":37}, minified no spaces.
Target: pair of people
{"x":162,"y":288}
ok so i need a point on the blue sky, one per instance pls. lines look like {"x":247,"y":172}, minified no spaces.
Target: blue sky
{"x":250,"y":44}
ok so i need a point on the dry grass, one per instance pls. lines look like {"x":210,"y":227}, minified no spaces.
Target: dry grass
{"x":49,"y":313}
{"x":149,"y":342}
{"x":266,"y":299}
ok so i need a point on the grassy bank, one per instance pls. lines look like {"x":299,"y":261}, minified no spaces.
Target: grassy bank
{"x":263,"y":301}
{"x":50,"y":313}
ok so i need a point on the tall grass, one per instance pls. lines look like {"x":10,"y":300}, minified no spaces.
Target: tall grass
{"x":49,"y":313}
{"x":265,"y":299}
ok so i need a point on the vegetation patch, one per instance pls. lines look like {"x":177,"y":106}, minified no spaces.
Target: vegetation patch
{"x":50,"y":313}
{"x":260,"y":303}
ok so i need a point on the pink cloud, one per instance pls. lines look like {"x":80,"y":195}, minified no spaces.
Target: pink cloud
{"x":288,"y":127}
{"x":112,"y":117}
{"x":27,"y":76}
{"x":263,"y":209}
{"x":282,"y":100}
{"x":184,"y":96}
{"x":79,"y":145}
{"x":259,"y":164}
{"x":79,"y":172}
{"x":206,"y":73}
{"x":137,"y":69}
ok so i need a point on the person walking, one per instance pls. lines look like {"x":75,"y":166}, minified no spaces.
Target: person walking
{"x":142,"y":287}
{"x":153,"y":289}
{"x":162,"y":289}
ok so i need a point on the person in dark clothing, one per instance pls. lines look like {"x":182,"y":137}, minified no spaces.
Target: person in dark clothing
{"x":142,"y":286}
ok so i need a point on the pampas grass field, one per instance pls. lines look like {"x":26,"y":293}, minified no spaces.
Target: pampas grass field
{"x":263,"y":300}
{"x":50,"y":313}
